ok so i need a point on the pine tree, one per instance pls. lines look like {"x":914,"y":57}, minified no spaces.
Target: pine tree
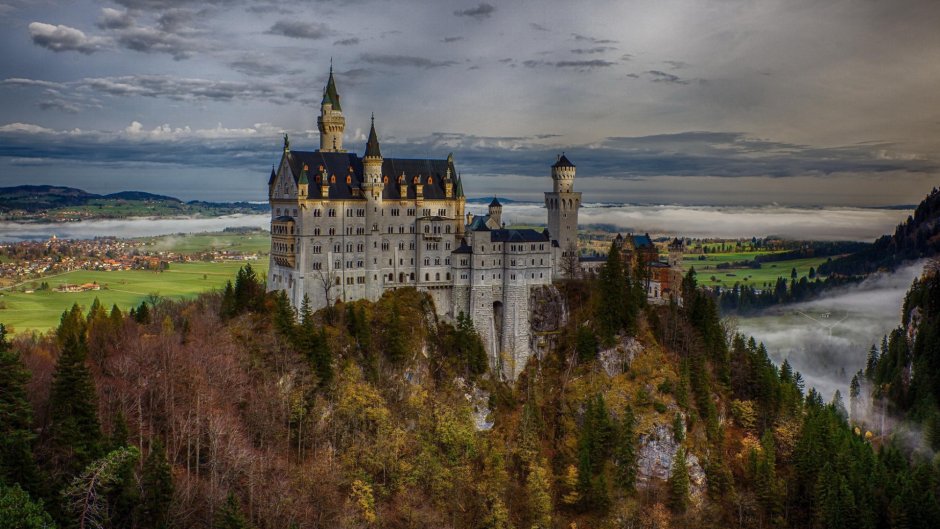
{"x":610,"y":312}
{"x":156,"y":484}
{"x":16,"y":418}
{"x":19,"y":511}
{"x":228,"y":307}
{"x":679,"y":483}
{"x":395,"y":348}
{"x":230,"y":516}
{"x":75,"y":431}
{"x":538,"y":488}
{"x":625,"y":448}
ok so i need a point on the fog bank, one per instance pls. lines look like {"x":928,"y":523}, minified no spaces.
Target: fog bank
{"x":827,"y":340}
{"x":125,"y":228}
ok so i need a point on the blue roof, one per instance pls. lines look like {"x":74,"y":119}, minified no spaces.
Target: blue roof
{"x":642,"y":241}
{"x":479,"y":223}
{"x":521,"y":235}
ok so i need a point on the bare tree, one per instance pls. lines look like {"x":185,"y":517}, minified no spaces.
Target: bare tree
{"x":326,"y":283}
{"x":571,"y":262}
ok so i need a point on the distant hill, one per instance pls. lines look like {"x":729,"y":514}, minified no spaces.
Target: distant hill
{"x":140,"y":195}
{"x":49,"y":203}
{"x":915,"y":238}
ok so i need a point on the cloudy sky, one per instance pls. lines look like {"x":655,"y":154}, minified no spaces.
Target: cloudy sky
{"x":719,"y":102}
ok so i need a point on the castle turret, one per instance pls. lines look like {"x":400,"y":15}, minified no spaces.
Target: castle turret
{"x":563,"y":204}
{"x":303,"y":183}
{"x":496,"y":213}
{"x":331,"y":121}
{"x":372,"y":186}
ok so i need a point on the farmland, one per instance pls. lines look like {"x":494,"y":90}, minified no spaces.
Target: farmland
{"x":40,"y":310}
{"x":706,"y":267}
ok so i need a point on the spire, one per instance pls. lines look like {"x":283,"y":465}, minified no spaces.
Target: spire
{"x":330,"y":95}
{"x":372,"y":147}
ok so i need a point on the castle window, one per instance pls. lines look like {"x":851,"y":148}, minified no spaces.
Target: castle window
{"x":317,"y":266}
{"x":359,"y":247}
{"x":349,"y":247}
{"x":316,"y":248}
{"x":415,"y":180}
{"x":447,"y":229}
{"x":411,"y":245}
{"x":427,"y":261}
{"x":385,"y":246}
{"x":430,"y":180}
{"x":336,"y":247}
{"x":295,"y":212}
{"x":333,"y":179}
{"x":448,"y":276}
{"x":447,"y":246}
{"x":316,"y":231}
{"x":348,"y":179}
{"x":385,"y":181}
{"x":401,"y":245}
{"x":437,"y":276}
{"x":412,"y":276}
{"x":427,"y":277}
{"x":332,"y":212}
{"x":447,"y":261}
{"x":390,"y":230}
{"x":349,"y":213}
{"x":427,"y":229}
{"x":337,"y":280}
{"x":337,"y":264}
{"x":437,"y":261}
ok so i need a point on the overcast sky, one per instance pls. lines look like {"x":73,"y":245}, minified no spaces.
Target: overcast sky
{"x":832,"y":102}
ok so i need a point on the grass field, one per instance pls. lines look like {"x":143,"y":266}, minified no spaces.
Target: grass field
{"x":252,"y":242}
{"x":767,"y":273}
{"x":41,"y":310}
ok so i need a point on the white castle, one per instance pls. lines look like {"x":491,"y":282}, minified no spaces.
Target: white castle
{"x":348,"y":228}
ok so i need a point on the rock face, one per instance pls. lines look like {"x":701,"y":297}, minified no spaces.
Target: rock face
{"x":548,"y":313}
{"x":657,"y":456}
{"x":616,"y":359}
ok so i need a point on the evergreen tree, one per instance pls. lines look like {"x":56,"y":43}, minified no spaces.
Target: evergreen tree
{"x":395,"y":344}
{"x":228,"y":307}
{"x":585,"y":344}
{"x":16,"y":420}
{"x":538,"y":489}
{"x":142,"y":316}
{"x":230,"y":516}
{"x":679,"y":483}
{"x":610,"y":313}
{"x":470,"y":348}
{"x":625,"y":448}
{"x":284,"y":317}
{"x":19,"y":511}
{"x":156,"y":484}
{"x":73,"y":412}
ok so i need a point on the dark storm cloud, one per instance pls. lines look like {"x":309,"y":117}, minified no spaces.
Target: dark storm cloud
{"x":538,"y":27}
{"x":64,"y":38}
{"x":184,"y":89}
{"x":677,"y":65}
{"x":146,"y":39}
{"x":404,"y":60}
{"x":662,"y":77}
{"x":479,"y":12}
{"x":451,"y":39}
{"x":589,"y":51}
{"x":297,"y":29}
{"x":582,"y":65}
{"x":59,"y":105}
{"x":592,"y":40}
{"x":160,"y":5}
{"x":259,"y":65}
{"x":352,"y":41}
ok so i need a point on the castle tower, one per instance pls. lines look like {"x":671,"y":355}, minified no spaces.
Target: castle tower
{"x":496,"y":213}
{"x":563,"y":204}
{"x":372,"y":187}
{"x":331,"y":121}
{"x":676,"y":249}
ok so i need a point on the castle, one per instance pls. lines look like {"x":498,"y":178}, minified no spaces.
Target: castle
{"x":348,"y":228}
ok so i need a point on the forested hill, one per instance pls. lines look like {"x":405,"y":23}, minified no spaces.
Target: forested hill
{"x":46,"y":202}
{"x":915,"y":238}
{"x":228,"y":412}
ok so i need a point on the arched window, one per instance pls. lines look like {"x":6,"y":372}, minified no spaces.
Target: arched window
{"x":385,"y":179}
{"x":437,"y":276}
{"x":427,"y":277}
{"x":333,"y":179}
{"x":348,"y":179}
{"x":415,"y":180}
{"x":430,"y":180}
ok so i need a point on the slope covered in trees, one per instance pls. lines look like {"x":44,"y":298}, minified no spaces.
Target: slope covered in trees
{"x":231,"y":411}
{"x":915,"y":238}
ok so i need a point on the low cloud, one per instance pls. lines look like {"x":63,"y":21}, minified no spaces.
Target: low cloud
{"x":451,"y":39}
{"x":59,"y":105}
{"x":829,"y":350}
{"x":590,"y":51}
{"x":64,"y":38}
{"x":352,"y":41}
{"x":580,"y":65}
{"x":297,"y":29}
{"x":484,"y":10}
{"x":538,"y":27}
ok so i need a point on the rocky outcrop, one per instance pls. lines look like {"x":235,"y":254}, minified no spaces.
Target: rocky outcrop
{"x":616,"y":359}
{"x":656,"y":457}
{"x":548,"y":313}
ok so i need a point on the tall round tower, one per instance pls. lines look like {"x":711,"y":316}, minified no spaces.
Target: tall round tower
{"x":331,"y":121}
{"x":563,"y":175}
{"x":563,"y":204}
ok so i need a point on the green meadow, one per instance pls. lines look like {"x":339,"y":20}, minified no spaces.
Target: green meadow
{"x":251,"y":242}
{"x":40,"y":310}
{"x":755,"y":277}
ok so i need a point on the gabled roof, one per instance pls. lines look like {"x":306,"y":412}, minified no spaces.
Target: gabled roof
{"x":463,"y":248}
{"x":563,"y":161}
{"x":479,"y":223}
{"x":273,"y":177}
{"x":642,"y":241}
{"x":518,"y":235}
{"x":428,"y":173}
